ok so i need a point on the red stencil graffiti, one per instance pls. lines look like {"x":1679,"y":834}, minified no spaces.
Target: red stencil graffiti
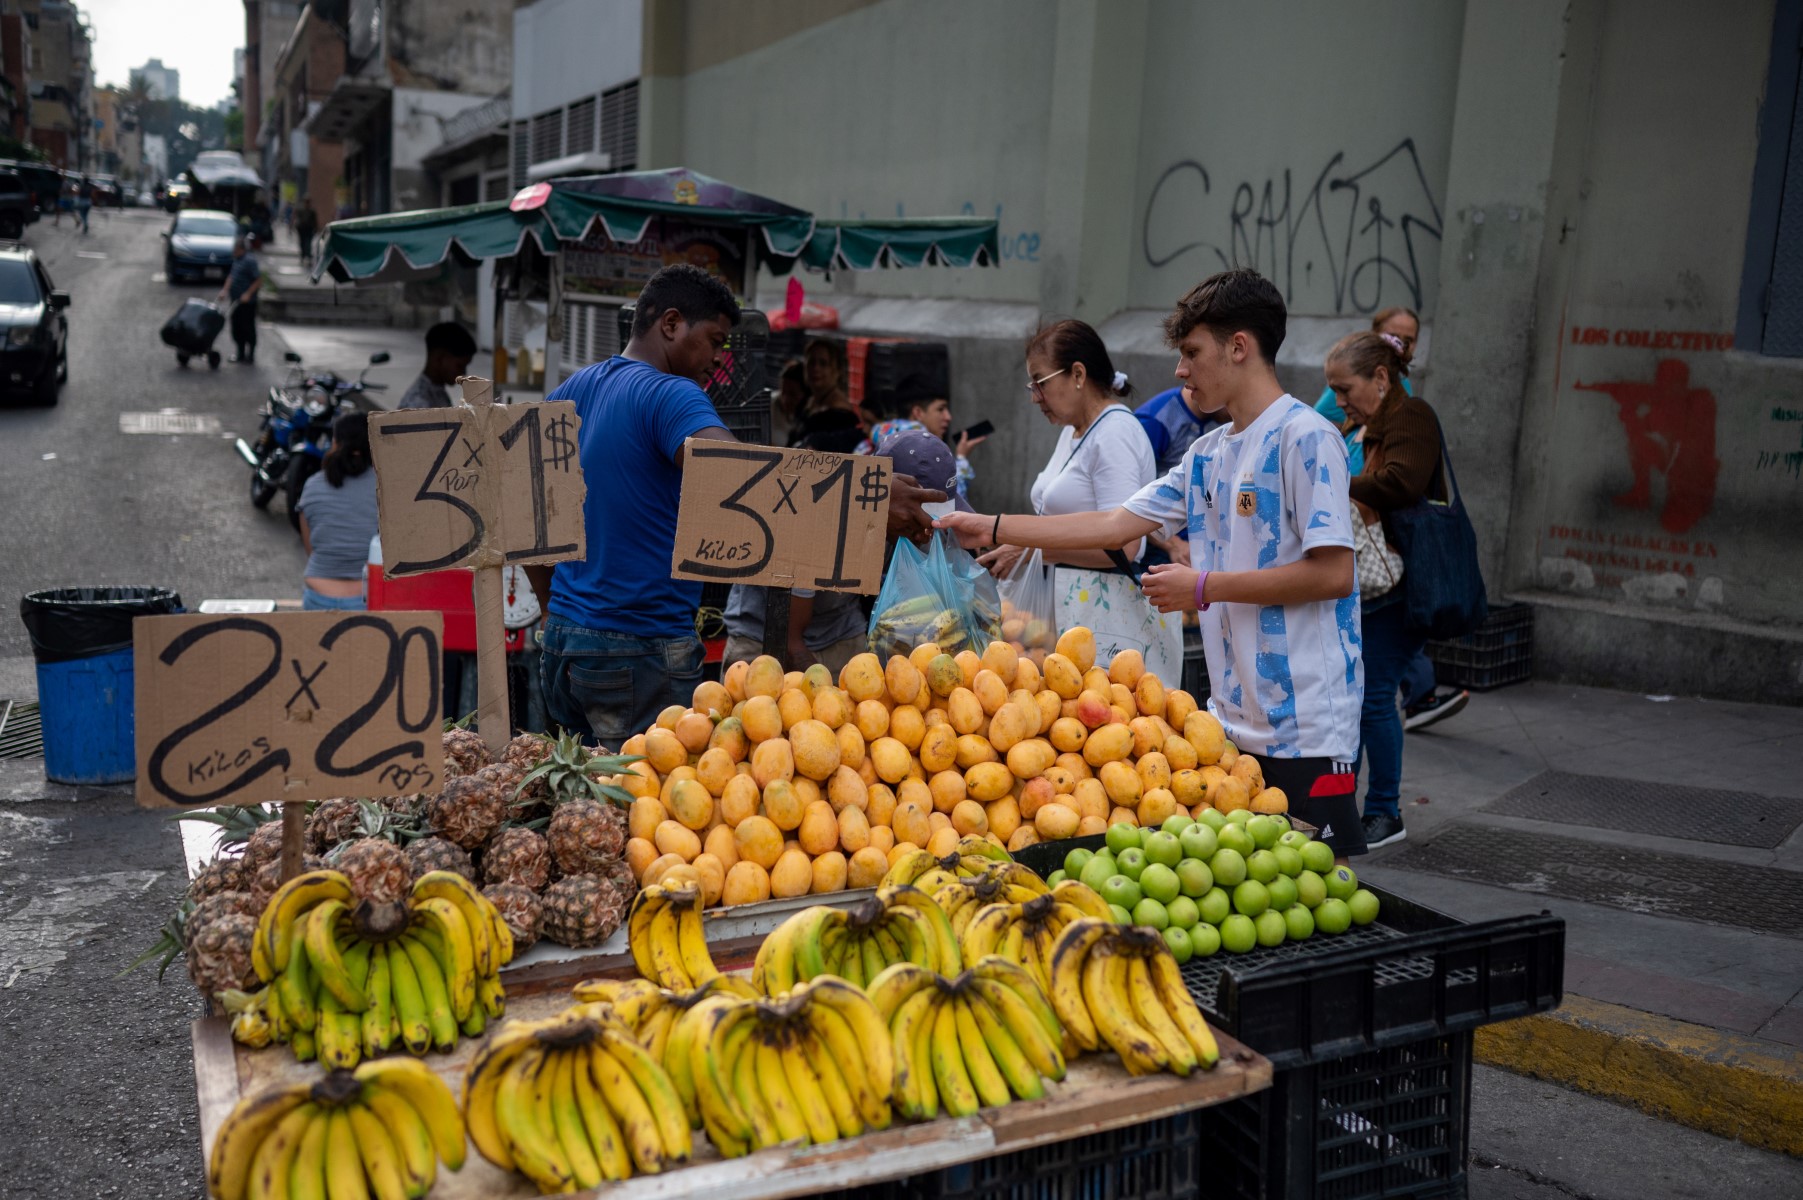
{"x":1670,"y":428}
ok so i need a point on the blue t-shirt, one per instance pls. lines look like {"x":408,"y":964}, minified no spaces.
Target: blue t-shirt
{"x":635,"y":419}
{"x":1171,"y":426}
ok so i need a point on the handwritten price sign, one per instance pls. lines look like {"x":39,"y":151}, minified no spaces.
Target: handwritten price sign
{"x":286,"y":706}
{"x":478,"y":486}
{"x":788,"y":518}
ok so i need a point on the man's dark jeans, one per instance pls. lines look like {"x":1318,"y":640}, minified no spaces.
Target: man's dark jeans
{"x":614,"y":684}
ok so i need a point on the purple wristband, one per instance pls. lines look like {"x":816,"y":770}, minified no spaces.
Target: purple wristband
{"x":1201,"y":605}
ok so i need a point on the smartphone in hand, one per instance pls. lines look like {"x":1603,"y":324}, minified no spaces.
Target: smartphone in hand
{"x":979,"y":430}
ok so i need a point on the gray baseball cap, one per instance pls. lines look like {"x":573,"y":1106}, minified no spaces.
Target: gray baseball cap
{"x":929,"y":461}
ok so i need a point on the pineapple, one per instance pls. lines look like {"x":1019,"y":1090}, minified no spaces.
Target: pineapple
{"x":263,"y":846}
{"x":571,"y":771}
{"x":517,"y":855}
{"x":379,"y":871}
{"x":472,"y":807}
{"x":521,"y":908}
{"x":222,"y":874}
{"x":333,"y":823}
{"x":586,"y":836}
{"x":219,"y":954}
{"x":465,"y":753}
{"x":527,"y":751}
{"x":221,"y":904}
{"x":267,"y":878}
{"x":618,"y":875}
{"x":437,"y":854}
{"x":582,"y":910}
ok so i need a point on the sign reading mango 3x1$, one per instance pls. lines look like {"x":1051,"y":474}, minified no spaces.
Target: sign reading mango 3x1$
{"x":787,"y":518}
{"x":243,"y":709}
{"x":478,"y":484}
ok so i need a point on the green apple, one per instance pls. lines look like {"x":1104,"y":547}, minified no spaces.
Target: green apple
{"x":1160,"y":883}
{"x":1310,"y":891}
{"x":1177,"y":823}
{"x":1122,"y":836}
{"x":1164,"y":848}
{"x":1213,"y":818}
{"x":1199,"y":841}
{"x":1122,"y":891}
{"x":1283,"y":892}
{"x":1204,"y":940}
{"x":1362,"y":904}
{"x":1215,"y":906}
{"x":1056,"y":877}
{"x":1251,"y":898}
{"x":1317,"y":857}
{"x":1234,"y":838}
{"x":1240,"y":817}
{"x":1179,"y":942}
{"x":1151,"y":914}
{"x":1131,"y":862}
{"x":1193,"y":877}
{"x":1333,"y":916}
{"x":1271,"y":928}
{"x":1264,"y":831}
{"x":1076,"y":860}
{"x":1301,"y":922}
{"x":1228,"y":867}
{"x":1098,"y":871}
{"x":1121,"y":915}
{"x":1239,"y":934}
{"x":1289,"y":860}
{"x":1294,"y":838}
{"x":1262,"y":866}
{"x":1341,"y":883}
{"x":1184,"y":913}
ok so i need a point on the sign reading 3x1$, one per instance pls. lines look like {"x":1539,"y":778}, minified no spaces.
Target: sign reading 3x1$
{"x":246,"y":709}
{"x":785,"y":518}
{"x":478,"y":486}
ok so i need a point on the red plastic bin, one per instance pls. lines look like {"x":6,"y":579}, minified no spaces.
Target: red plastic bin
{"x":449,"y":592}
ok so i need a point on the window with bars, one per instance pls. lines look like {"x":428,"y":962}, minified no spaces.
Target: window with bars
{"x":521,"y":154}
{"x":547,"y":136}
{"x":620,"y":126}
{"x":579,"y":127}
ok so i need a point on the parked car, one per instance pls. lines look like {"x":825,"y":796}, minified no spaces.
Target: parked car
{"x":18,"y":207}
{"x":200,"y":245}
{"x":177,"y":195}
{"x":41,"y":179}
{"x":106,"y":190}
{"x":34,"y":333}
{"x":148,"y":199}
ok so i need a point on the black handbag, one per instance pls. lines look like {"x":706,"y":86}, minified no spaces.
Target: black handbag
{"x":1442,"y":587}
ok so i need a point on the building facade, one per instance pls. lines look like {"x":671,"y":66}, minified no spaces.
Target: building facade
{"x":165,"y":83}
{"x":62,"y":82}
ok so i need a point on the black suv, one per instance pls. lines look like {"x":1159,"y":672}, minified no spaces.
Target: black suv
{"x":18,"y":207}
{"x":34,"y":333}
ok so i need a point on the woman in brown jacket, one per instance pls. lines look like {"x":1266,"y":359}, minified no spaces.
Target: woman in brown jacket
{"x":1402,"y":465}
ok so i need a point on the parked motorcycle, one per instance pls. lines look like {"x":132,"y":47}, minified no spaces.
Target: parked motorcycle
{"x":297,"y":429}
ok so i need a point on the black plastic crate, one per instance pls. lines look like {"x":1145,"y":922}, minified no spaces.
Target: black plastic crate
{"x":912,"y":369}
{"x":1413,"y":973}
{"x":1158,"y":1160}
{"x":740,"y":389}
{"x":1381,"y":1125}
{"x":1500,"y":652}
{"x":1195,"y":667}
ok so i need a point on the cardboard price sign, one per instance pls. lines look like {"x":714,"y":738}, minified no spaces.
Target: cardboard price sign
{"x":242,"y":709}
{"x":789,"y":518}
{"x":478,"y":484}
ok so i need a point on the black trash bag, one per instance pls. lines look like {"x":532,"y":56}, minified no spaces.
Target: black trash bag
{"x":85,"y":622}
{"x":194,"y":326}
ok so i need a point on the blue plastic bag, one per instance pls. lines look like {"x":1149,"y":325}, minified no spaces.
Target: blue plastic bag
{"x":941,"y":596}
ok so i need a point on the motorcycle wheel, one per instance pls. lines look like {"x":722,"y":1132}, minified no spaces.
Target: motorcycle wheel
{"x":213,"y":359}
{"x":299,"y":471}
{"x":261,"y":493}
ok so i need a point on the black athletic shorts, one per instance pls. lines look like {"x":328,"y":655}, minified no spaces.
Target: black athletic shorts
{"x":1323,"y":793}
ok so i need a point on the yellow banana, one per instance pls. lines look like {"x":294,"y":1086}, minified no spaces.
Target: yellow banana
{"x":432,"y":990}
{"x":666,"y":954}
{"x":645,"y":906}
{"x":638,"y":1127}
{"x":938,"y":925}
{"x":949,"y":1071}
{"x":1011,"y":944}
{"x":617,"y":992}
{"x":772,"y":1081}
{"x":834,"y":1092}
{"x":335,"y":1048}
{"x":378,"y":1010}
{"x":415,"y":1158}
{"x":654,"y":1035}
{"x":979,"y":1061}
{"x":909,"y":928}
{"x":659,"y":1096}
{"x":492,"y":996}
{"x":1023,"y":1026}
{"x":691,"y":944}
{"x":604,"y":1134}
{"x":478,"y":913}
{"x":522,"y":1109}
{"x":566,"y":1117}
{"x":678,"y":1049}
{"x":409,"y":1002}
{"x":326,"y":959}
{"x":892,"y":949}
{"x":1017,"y":1071}
{"x":910,"y":867}
{"x":424,"y":1092}
{"x":711,"y":1070}
{"x":344,"y":1167}
{"x":986,"y":931}
{"x":1105,"y":991}
{"x":1019,"y":875}
{"x":1148,"y":1006}
{"x":276,"y":928}
{"x":1019,"y":980}
{"x":832,"y":1031}
{"x":1181,"y":1006}
{"x":307,"y":1176}
{"x":742,"y":1047}
{"x":817,"y":928}
{"x":1083,"y":898}
{"x":459,"y":960}
{"x":873,"y":958}
{"x":805,"y":1088}
{"x":304,"y":1045}
{"x":481,"y":1088}
{"x":295,"y":985}
{"x":895,"y":984}
{"x":912,"y":1087}
{"x":866,"y":1024}
{"x":377,"y":1155}
{"x":272,"y":1161}
{"x":1068,"y":957}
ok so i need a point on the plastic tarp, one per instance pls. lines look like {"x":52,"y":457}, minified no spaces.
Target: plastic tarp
{"x":82,"y":622}
{"x":215,"y":172}
{"x":934,"y":242}
{"x":414,"y":245}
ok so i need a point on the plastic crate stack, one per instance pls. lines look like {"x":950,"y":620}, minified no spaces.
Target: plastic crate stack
{"x":1500,"y":652}
{"x":740,"y":388}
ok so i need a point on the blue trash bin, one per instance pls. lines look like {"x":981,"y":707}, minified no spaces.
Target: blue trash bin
{"x":81,"y":638}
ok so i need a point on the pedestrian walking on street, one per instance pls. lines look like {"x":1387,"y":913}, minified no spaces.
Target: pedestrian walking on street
{"x":84,"y":201}
{"x":449,"y":348}
{"x":241,"y":288}
{"x":306,"y":224}
{"x":1402,"y":466}
{"x":338,"y":519}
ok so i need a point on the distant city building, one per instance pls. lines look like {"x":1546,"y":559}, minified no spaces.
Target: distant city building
{"x":165,"y":83}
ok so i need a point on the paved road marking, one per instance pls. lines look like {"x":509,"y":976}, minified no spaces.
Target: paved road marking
{"x":158,"y":277}
{"x":89,"y":254}
{"x":170,"y":420}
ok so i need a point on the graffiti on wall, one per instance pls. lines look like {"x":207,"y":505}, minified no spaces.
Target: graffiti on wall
{"x":1787,"y":455}
{"x":1670,"y":430}
{"x":1360,"y":236}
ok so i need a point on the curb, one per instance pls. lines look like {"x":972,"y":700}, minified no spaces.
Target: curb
{"x":1721,"y":1083}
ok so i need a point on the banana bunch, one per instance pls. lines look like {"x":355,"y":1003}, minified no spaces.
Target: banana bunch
{"x":1002,"y":883}
{"x":976,"y":1040}
{"x":573,"y":1100}
{"x":348,"y":980}
{"x":916,"y":621}
{"x":972,"y":856}
{"x":1118,"y":985}
{"x":898,"y":924}
{"x":651,"y":1012}
{"x":663,"y":931}
{"x":1025,"y":931}
{"x":813,"y":1066}
{"x":378,"y":1131}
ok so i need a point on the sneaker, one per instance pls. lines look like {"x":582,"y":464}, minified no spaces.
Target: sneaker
{"x":1381,"y":829}
{"x":1436,"y":707}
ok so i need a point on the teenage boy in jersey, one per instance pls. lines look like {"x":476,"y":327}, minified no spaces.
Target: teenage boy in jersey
{"x":619,"y":637}
{"x":1265,"y":500}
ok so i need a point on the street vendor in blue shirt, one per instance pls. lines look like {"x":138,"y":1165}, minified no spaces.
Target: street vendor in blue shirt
{"x":619,"y":637}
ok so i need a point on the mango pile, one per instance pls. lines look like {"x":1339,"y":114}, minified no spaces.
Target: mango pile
{"x":775,"y":783}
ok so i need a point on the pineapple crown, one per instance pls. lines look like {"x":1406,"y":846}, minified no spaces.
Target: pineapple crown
{"x":574,"y":771}
{"x":170,"y":944}
{"x":464,"y":722}
{"x":236,"y":822}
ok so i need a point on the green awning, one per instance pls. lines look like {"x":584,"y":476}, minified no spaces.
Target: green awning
{"x":866,"y":245}
{"x":624,"y":205}
{"x":415,"y":245}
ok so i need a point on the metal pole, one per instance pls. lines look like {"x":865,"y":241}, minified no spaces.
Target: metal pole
{"x":554,"y":326}
{"x":493,"y":720}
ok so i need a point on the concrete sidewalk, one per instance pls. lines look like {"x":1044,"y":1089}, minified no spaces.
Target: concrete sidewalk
{"x":1668,"y":833}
